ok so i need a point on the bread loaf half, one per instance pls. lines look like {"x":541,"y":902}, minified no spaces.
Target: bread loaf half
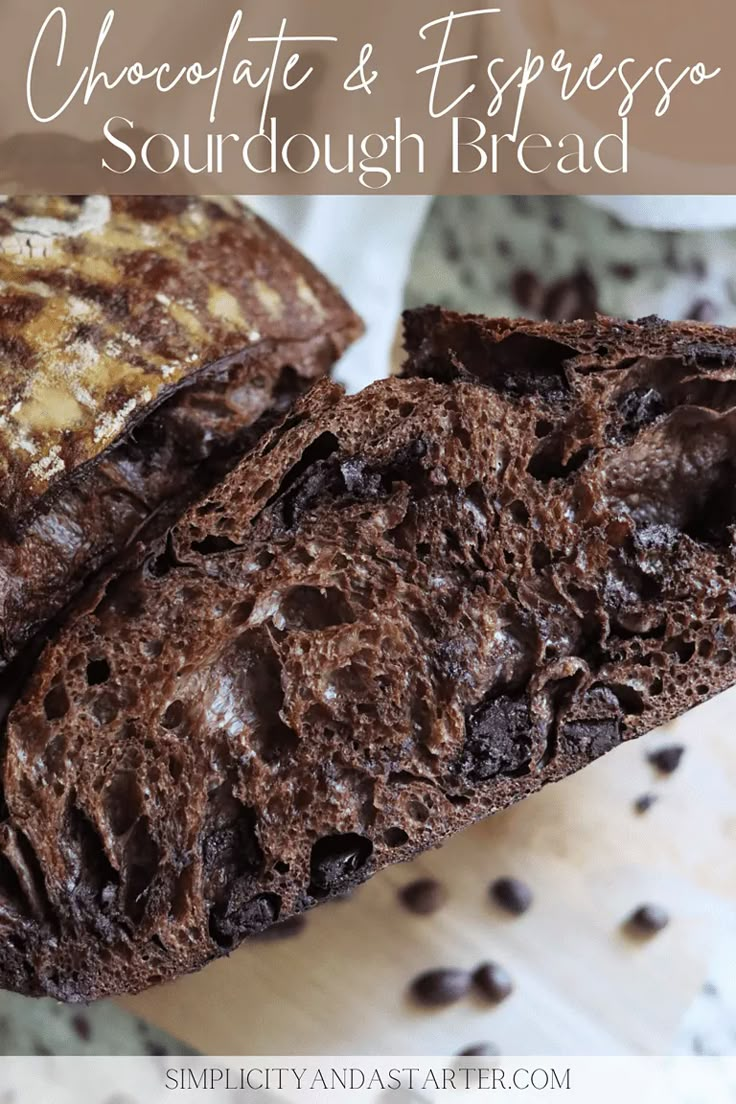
{"x":140,"y":337}
{"x":404,"y":610}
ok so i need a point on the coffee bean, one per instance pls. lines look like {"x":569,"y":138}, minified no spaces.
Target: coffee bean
{"x":479,"y":1050}
{"x":526,"y":290}
{"x":647,"y":920}
{"x":703,"y":310}
{"x":423,"y":896}
{"x":667,"y":759}
{"x":573,"y":297}
{"x":438,"y":987}
{"x":82,"y":1027}
{"x":493,"y":981}
{"x":512,"y":895}
{"x":622,"y":270}
{"x":645,"y":802}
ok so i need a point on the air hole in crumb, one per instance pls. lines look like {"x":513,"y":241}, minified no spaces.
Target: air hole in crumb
{"x":174,"y":714}
{"x":337,"y":862}
{"x":519,"y":512}
{"x":547,"y":462}
{"x":311,"y":608}
{"x":98,"y":671}
{"x":541,"y":557}
{"x":56,"y":703}
{"x":281,"y":867}
{"x":122,"y":802}
{"x":630,"y":700}
{"x":685,"y":650}
{"x":417,"y":810}
{"x":105,"y":708}
{"x":212,"y":545}
{"x":395,"y":837}
{"x":241,"y":612}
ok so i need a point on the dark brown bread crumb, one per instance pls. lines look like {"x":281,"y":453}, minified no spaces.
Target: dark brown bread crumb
{"x":440,"y":987}
{"x":423,"y":896}
{"x":285,"y":929}
{"x":667,"y":759}
{"x":403,"y":610}
{"x":647,"y":920}
{"x":493,"y":981}
{"x":644,"y":803}
{"x":512,"y":895}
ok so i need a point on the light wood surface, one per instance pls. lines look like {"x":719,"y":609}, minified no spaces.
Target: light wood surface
{"x":582,"y":987}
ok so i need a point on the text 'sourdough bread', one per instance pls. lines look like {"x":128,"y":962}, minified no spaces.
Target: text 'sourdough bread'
{"x":403,"y":610}
{"x":139,"y":336}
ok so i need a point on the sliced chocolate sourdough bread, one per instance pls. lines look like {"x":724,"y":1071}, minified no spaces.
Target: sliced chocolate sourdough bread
{"x":402,"y":611}
{"x":140,"y":337}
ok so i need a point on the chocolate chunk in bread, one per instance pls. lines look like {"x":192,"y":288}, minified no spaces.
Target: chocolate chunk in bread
{"x":141,"y":336}
{"x":403,"y":610}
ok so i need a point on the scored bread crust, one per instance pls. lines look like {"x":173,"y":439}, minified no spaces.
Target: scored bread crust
{"x":145,"y":340}
{"x":403,"y":610}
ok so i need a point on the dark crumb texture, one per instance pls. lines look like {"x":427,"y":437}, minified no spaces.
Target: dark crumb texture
{"x":404,"y":610}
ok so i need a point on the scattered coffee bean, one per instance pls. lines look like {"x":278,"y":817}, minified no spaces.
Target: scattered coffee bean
{"x":438,"y":987}
{"x":493,"y":981}
{"x":645,"y":802}
{"x":667,"y":759}
{"x":526,"y":290}
{"x":423,"y":896}
{"x":573,"y":297}
{"x":82,"y":1027}
{"x":648,"y":920}
{"x":622,"y":270}
{"x":479,"y":1050}
{"x":156,"y":1050}
{"x":703,"y":310}
{"x":512,"y":895}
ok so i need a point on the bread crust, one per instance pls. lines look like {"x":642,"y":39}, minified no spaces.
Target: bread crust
{"x":142,"y":337}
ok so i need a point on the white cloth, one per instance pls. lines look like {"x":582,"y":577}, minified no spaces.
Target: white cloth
{"x":365,"y":245}
{"x":671,"y":212}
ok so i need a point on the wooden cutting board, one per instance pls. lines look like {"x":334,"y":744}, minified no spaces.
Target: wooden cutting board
{"x":582,"y":986}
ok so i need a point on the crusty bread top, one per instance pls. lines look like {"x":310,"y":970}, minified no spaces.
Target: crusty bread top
{"x":107,"y":304}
